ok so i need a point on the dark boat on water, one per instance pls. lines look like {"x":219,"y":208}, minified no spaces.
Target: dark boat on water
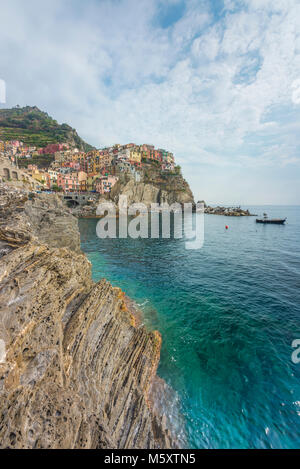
{"x":271,"y":221}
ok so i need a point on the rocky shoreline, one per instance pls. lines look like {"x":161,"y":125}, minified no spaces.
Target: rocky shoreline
{"x":77,"y":367}
{"x":228,"y":211}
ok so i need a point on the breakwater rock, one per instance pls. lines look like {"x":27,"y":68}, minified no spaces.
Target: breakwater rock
{"x":76,"y":368}
{"x":227,"y":211}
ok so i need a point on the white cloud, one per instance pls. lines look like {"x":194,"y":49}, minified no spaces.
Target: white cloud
{"x":207,"y":45}
{"x":296,"y":91}
{"x":206,"y":89}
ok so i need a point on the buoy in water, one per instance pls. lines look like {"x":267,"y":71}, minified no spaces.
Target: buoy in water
{"x":227,"y":227}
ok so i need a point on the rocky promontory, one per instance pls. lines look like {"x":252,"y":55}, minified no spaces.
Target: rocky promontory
{"x":155,"y":187}
{"x":76,"y":368}
{"x":176,"y":190}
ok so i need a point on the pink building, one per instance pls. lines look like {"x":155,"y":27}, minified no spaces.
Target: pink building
{"x":72,"y":182}
{"x":48,"y":182}
{"x":146,"y":147}
{"x":105,"y":184}
{"x":68,"y":182}
{"x":71,"y":164}
{"x":32,"y":167}
{"x":16,"y":143}
{"x":52,"y":148}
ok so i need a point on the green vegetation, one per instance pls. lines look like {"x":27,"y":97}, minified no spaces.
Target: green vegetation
{"x":41,"y":161}
{"x":55,"y":188}
{"x":36,"y":128}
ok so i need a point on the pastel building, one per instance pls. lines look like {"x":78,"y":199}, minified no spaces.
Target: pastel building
{"x":48,"y":182}
{"x":16,"y":143}
{"x":105,"y":184}
{"x":166,"y":156}
{"x":39,"y":176}
{"x":122,"y":166}
{"x":82,"y":179}
{"x":146,"y":147}
{"x":123,"y":154}
{"x":68,"y":182}
{"x":32,"y":167}
{"x":53,"y":175}
{"x":91,"y":181}
{"x":135,"y":156}
{"x":148,"y":152}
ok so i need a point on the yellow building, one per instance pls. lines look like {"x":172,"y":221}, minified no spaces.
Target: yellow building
{"x":39,"y":176}
{"x":135,"y":156}
{"x":91,"y":181}
{"x":78,"y":156}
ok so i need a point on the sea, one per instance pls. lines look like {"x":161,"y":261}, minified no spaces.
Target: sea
{"x":228,"y":314}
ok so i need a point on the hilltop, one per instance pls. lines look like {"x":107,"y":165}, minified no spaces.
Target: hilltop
{"x":35,"y":127}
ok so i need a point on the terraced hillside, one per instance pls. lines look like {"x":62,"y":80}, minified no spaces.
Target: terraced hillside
{"x":36,"y":128}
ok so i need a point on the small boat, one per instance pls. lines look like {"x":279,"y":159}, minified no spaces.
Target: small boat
{"x":272,"y":221}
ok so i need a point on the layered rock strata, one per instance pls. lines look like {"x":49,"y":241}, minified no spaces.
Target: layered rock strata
{"x":76,"y":369}
{"x":174,"y":191}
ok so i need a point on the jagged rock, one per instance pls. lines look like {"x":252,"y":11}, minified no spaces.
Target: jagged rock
{"x":227,"y":211}
{"x":45,"y":211}
{"x":148,"y":193}
{"x":138,"y":193}
{"x":76,"y":368}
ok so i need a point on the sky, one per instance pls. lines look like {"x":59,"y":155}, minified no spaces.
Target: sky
{"x":217,"y":82}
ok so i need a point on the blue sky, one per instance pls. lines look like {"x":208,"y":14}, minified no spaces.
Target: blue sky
{"x":217,"y":82}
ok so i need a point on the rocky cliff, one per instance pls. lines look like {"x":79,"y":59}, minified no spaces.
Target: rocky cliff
{"x":149,"y":193}
{"x":156,"y":186}
{"x":76,"y":369}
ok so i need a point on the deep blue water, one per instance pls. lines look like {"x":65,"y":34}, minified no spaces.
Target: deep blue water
{"x":228,"y":314}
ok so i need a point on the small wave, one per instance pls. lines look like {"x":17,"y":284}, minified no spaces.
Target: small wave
{"x":143,"y":304}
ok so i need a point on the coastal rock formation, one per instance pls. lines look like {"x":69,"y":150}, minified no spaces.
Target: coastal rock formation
{"x":52,"y":222}
{"x":147,"y":193}
{"x":227,"y":211}
{"x":137,"y":193}
{"x":76,"y":368}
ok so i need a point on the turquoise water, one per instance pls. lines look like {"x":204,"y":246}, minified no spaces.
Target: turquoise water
{"x":228,"y":314}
